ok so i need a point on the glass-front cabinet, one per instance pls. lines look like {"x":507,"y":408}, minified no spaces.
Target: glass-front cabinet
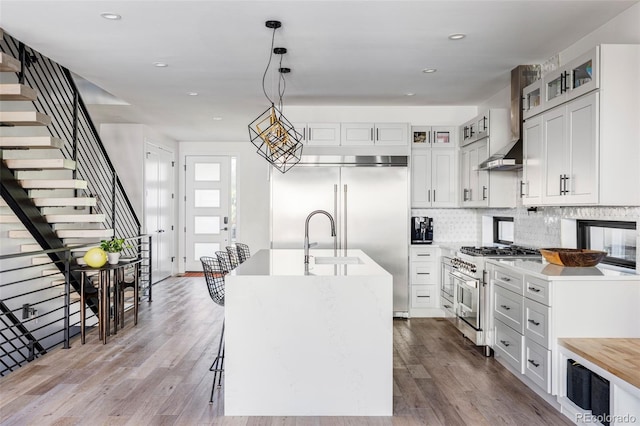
{"x":576,"y":78}
{"x":532,"y":99}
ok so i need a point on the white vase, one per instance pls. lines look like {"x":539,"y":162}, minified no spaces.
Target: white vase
{"x":113,"y":258}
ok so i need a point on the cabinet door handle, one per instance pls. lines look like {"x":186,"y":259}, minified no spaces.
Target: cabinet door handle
{"x":377,"y":134}
{"x":434,"y":195}
{"x":484,"y":192}
{"x":505,"y":307}
{"x":535,"y":290}
{"x":566,"y":178}
{"x":310,"y":133}
{"x":429,"y":194}
{"x":536,"y":323}
{"x":506,"y":279}
{"x":372,"y":134}
{"x":505,"y":343}
{"x":522,"y":189}
{"x":535,"y":364}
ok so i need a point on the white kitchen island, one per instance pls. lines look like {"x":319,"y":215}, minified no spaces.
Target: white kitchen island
{"x":308,"y":342}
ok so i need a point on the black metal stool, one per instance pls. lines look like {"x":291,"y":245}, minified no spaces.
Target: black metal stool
{"x":214,"y":275}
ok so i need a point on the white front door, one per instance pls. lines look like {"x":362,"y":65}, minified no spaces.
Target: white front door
{"x":207,"y":207}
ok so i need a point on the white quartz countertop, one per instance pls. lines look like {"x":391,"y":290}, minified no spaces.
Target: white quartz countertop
{"x":549,"y":271}
{"x":290,"y":262}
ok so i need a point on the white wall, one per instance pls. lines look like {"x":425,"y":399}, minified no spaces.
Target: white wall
{"x":125,"y":144}
{"x":623,"y":29}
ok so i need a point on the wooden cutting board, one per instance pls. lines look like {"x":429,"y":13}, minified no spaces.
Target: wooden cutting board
{"x":620,"y":357}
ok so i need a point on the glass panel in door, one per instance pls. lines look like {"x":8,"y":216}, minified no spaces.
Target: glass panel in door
{"x":582,"y":74}
{"x":206,"y":207}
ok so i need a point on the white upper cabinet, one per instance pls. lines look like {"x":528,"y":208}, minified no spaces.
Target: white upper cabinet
{"x":531,"y":184}
{"x":532,"y":100}
{"x":319,"y":134}
{"x":486,"y":134}
{"x":590,"y":144}
{"x":433,"y":178}
{"x":363,"y":134}
{"x":433,"y":137}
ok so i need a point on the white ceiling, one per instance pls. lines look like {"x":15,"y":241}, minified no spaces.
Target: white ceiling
{"x":340,"y":53}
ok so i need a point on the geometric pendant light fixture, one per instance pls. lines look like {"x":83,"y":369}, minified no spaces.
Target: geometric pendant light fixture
{"x":274,"y":136}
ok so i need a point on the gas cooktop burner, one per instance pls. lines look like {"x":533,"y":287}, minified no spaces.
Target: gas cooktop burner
{"x":499,"y":251}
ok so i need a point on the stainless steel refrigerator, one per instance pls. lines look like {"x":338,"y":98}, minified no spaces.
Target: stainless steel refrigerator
{"x":369,"y":199}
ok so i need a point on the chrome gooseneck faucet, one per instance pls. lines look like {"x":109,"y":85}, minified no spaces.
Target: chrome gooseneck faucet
{"x":307,"y":245}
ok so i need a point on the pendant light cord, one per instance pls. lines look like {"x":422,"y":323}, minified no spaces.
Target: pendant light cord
{"x":264,"y":76}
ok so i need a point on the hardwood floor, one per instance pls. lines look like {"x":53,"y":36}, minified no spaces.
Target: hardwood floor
{"x":158,"y":373}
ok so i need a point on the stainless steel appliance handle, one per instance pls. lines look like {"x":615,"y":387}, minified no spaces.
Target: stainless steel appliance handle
{"x":460,"y":279}
{"x":344,"y":213}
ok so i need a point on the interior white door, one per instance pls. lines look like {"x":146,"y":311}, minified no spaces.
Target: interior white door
{"x":206,"y":207}
{"x":159,"y":218}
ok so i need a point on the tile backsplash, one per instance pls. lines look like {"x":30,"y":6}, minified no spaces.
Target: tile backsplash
{"x":541,"y":228}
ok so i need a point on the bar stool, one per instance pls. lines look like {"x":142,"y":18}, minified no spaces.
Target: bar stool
{"x":127,"y":277}
{"x":243,"y":252}
{"x":233,"y":256}
{"x":214,"y":276}
{"x":225,"y":261}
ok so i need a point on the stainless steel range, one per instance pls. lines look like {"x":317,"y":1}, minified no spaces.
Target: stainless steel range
{"x":464,"y":289}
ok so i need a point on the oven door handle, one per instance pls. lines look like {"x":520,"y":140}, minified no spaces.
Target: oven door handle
{"x":460,"y":279}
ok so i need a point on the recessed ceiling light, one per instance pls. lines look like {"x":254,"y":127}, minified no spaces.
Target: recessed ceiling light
{"x":192,"y":93}
{"x":160,"y":64}
{"x":217,"y":118}
{"x":410,"y":94}
{"x":429,"y":70}
{"x":457,"y":36}
{"x":111,"y":16}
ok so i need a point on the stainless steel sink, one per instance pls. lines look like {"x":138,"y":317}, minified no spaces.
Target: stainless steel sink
{"x":339,"y":260}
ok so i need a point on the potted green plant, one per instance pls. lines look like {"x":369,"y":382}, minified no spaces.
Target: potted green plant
{"x":113,"y":247}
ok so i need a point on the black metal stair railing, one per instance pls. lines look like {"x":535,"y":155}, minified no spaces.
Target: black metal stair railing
{"x":37,"y":316}
{"x":59,"y":98}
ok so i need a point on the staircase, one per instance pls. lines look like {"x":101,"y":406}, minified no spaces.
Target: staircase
{"x":59,"y":190}
{"x":40,"y":169}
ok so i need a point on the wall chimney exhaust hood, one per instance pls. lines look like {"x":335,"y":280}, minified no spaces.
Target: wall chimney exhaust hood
{"x":505,"y":159}
{"x":510,"y":157}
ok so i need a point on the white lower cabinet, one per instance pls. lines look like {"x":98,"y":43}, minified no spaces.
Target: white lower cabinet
{"x":534,"y":304}
{"x":509,"y":344}
{"x":424,"y":281}
{"x":537,"y":365}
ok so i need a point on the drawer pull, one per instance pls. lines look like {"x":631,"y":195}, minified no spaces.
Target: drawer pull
{"x":505,"y":343}
{"x":536,"y":323}
{"x":505,"y":279}
{"x":535,"y":290}
{"x":505,"y":307}
{"x":535,"y":364}
{"x":424,"y":254}
{"x":423,"y":296}
{"x":424,"y":273}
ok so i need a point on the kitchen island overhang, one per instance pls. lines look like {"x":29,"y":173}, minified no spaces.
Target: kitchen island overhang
{"x":314,"y":341}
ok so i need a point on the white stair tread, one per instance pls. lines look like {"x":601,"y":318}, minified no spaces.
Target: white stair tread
{"x":75,"y":218}
{"x":19,"y":233}
{"x":53,"y":183}
{"x":25,"y":248}
{"x":30,"y":142}
{"x":64,"y":202}
{"x":67,"y":233}
{"x":24,"y":118}
{"x":17,"y":92}
{"x":41,"y":164}
{"x":8,"y":63}
{"x":9,"y":218}
{"x":40,"y":260}
{"x":52,"y":273}
{"x":84,"y":233}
